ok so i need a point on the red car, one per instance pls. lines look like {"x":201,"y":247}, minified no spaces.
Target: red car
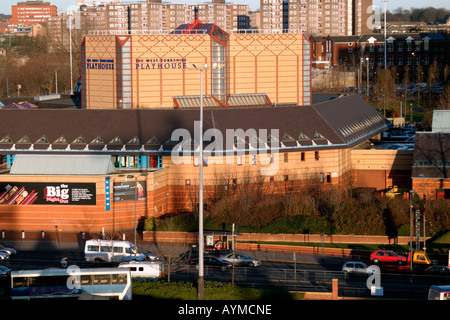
{"x":387,"y":257}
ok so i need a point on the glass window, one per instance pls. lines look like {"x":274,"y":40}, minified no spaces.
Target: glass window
{"x":101,"y":279}
{"x":94,"y":248}
{"x":86,"y":280}
{"x":106,"y":249}
{"x":119,"y":278}
{"x":20,"y":282}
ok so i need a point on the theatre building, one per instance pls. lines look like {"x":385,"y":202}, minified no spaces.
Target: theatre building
{"x":159,"y":70}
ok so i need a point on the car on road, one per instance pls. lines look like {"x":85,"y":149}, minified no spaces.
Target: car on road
{"x":239,"y":259}
{"x":356,"y":268}
{"x":8,"y":251}
{"x":214,"y":251}
{"x":4,"y":255}
{"x":387,"y":257}
{"x":4,"y":272}
{"x":437,"y":271}
{"x":212,"y":262}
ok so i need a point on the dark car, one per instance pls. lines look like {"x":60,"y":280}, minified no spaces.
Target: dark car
{"x":213,"y":251}
{"x":437,"y":271}
{"x":212,"y":262}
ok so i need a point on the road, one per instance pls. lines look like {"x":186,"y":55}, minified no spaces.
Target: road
{"x":306,"y":273}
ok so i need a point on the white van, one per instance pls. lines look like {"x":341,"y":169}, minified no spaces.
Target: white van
{"x":144,"y":269}
{"x":113,"y":251}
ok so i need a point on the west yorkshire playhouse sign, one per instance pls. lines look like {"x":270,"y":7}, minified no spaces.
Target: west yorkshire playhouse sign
{"x":141,"y":64}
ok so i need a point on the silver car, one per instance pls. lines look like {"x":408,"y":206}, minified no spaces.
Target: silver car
{"x":4,"y":255}
{"x":8,"y":251}
{"x":240,"y":260}
{"x":356,"y":268}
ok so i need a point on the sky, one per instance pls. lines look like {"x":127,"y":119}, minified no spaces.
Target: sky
{"x":63,"y":5}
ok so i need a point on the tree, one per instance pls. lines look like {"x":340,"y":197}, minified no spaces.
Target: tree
{"x":444,"y":99}
{"x":385,"y":85}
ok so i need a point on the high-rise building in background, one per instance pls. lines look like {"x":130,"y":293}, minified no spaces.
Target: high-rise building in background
{"x":30,"y":12}
{"x":315,"y":17}
{"x":310,"y":17}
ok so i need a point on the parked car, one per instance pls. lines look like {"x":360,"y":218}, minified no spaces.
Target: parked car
{"x":387,"y":257}
{"x":9,"y":251}
{"x":357,"y":268}
{"x":437,"y":271}
{"x":240,"y":260}
{"x":4,"y":272}
{"x":213,"y":251}
{"x":213,"y":262}
{"x":4,"y":255}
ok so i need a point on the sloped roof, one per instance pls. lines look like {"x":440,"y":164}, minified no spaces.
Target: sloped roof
{"x":197,"y":27}
{"x":338,"y":123}
{"x":39,"y":164}
{"x":431,"y":155}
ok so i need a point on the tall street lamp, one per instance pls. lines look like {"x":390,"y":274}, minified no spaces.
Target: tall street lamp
{"x":200,"y":195}
{"x":135,"y":209}
{"x":411,"y":192}
{"x":385,"y":52}
{"x":367,"y":63}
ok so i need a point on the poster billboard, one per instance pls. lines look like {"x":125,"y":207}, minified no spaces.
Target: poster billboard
{"x":51,"y":193}
{"x":126,"y":191}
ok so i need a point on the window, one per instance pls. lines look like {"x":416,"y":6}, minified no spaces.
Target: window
{"x":302,"y":156}
{"x":316,"y":155}
{"x":390,"y":46}
{"x":285,"y":157}
{"x":93,"y":248}
{"x":101,"y":279}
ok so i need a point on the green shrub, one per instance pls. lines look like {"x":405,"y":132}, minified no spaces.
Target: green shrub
{"x":182,"y":290}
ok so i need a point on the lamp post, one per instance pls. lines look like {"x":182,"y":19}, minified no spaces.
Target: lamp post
{"x":367,"y":66}
{"x":70,"y":52}
{"x":424,"y":211}
{"x":411,"y":192}
{"x":385,"y":53}
{"x":200,"y":195}
{"x":135,"y":209}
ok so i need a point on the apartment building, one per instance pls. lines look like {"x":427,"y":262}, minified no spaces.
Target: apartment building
{"x":87,"y":18}
{"x":316,"y":17}
{"x":30,"y":12}
{"x":409,"y":50}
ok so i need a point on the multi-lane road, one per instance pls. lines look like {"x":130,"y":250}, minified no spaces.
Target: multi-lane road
{"x":307,"y":273}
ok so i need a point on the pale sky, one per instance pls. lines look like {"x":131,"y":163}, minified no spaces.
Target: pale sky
{"x":63,"y":5}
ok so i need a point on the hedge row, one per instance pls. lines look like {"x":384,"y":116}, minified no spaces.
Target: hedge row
{"x":182,"y":290}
